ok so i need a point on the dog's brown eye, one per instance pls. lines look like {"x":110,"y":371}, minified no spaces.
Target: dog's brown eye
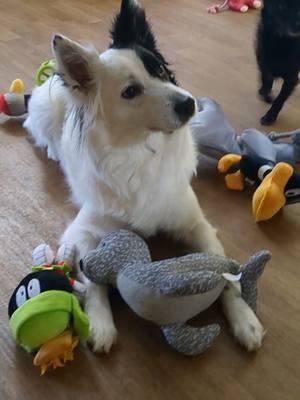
{"x":162,"y":72}
{"x":131,"y":92}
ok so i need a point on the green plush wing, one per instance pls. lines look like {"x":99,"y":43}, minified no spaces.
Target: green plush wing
{"x":80,"y":319}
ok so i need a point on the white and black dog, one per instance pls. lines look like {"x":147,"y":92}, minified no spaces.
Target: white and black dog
{"x":117,"y":123}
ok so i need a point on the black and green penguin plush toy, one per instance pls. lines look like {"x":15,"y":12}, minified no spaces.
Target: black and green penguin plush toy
{"x":44,"y":313}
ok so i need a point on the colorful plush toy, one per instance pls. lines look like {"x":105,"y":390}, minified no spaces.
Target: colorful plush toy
{"x":234,"y":5}
{"x":277,"y":185}
{"x":173,"y":291}
{"x":215,"y":137}
{"x":44,"y":314}
{"x":14,"y":103}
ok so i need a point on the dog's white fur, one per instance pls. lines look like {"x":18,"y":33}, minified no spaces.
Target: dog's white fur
{"x":128,"y":163}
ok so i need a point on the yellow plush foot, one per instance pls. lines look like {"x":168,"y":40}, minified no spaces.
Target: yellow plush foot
{"x":56,"y":352}
{"x":227,"y":161}
{"x":269,"y":197}
{"x":17,"y":86}
{"x":235,"y":181}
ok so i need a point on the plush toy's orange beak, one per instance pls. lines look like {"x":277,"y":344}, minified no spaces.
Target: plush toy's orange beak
{"x":269,"y":197}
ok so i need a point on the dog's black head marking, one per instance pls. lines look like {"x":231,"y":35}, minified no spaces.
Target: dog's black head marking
{"x":131,"y":30}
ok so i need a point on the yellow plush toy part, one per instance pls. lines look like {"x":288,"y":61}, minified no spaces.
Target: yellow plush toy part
{"x":17,"y":86}
{"x":235,"y":180}
{"x":269,"y":197}
{"x":56,"y":352}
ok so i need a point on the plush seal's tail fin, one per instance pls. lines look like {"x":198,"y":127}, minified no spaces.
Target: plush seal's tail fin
{"x":252,"y":270}
{"x":189,"y":340}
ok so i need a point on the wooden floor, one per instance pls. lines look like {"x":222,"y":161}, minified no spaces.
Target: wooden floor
{"x":213,"y":56}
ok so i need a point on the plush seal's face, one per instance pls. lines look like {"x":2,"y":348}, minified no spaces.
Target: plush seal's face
{"x":34,"y":284}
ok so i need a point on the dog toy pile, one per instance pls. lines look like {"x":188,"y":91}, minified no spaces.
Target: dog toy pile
{"x":265,"y":162}
{"x":14,"y":103}
{"x":171,"y":292}
{"x":44,"y":314}
{"x":234,"y":5}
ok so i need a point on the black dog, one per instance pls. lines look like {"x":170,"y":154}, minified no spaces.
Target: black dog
{"x":278,"y":51}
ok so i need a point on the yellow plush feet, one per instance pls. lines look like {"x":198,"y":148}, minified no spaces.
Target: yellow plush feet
{"x":17,"y":86}
{"x":56,"y":352}
{"x":228,"y":161}
{"x":269,"y":197}
{"x":234,"y":181}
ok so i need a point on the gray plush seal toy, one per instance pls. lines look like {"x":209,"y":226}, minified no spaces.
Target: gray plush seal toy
{"x":170,"y":292}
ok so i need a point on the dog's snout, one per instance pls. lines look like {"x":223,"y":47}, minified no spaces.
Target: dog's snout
{"x":185,"y":108}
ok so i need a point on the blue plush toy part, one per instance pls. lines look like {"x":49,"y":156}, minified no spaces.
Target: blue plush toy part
{"x":170,"y":292}
{"x":215,"y":137}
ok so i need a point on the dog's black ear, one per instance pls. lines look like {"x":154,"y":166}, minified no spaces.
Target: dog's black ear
{"x":74,"y":63}
{"x":130,"y":28}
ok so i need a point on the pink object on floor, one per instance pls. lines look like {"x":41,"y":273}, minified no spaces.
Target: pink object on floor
{"x":234,"y":5}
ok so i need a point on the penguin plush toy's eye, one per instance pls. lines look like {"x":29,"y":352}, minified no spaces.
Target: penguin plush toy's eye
{"x":33,"y":288}
{"x":20,"y":296}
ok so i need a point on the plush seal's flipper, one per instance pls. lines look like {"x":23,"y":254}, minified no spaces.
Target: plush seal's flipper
{"x":251,"y":271}
{"x":188,"y":340}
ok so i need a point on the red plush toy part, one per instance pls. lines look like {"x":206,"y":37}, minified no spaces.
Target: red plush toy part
{"x":3,"y":105}
{"x":234,"y":5}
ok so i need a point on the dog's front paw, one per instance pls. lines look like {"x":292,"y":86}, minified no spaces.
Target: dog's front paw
{"x":103,"y":335}
{"x":249,"y":332}
{"x":214,"y":247}
{"x":51,"y":154}
{"x":266,"y":96}
{"x":268,"y":118}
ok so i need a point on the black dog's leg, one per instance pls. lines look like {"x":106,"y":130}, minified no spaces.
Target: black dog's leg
{"x":266,"y":87}
{"x":287,"y":88}
{"x":266,"y":76}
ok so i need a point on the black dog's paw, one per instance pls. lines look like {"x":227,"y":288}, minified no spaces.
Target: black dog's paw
{"x":267,"y":97}
{"x":268,"y":119}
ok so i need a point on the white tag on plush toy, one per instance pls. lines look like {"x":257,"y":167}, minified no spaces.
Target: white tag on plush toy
{"x":231,"y":277}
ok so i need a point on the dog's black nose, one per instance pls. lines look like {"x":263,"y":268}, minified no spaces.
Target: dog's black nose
{"x":185,"y":108}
